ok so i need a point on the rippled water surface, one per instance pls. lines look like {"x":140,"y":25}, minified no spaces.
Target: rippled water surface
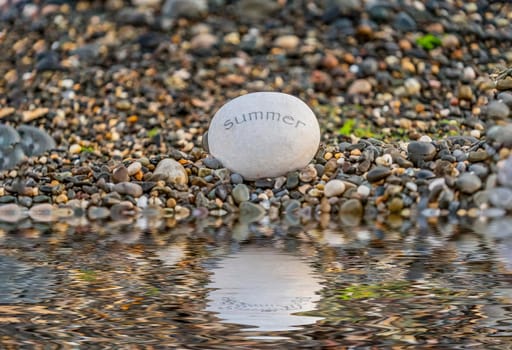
{"x":426,"y":285}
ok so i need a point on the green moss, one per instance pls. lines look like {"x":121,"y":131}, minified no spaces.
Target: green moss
{"x":348,"y":127}
{"x":152,"y":291}
{"x":398,"y":289}
{"x":153,"y":132}
{"x":87,"y":275}
{"x":87,"y":149}
{"x":428,"y":41}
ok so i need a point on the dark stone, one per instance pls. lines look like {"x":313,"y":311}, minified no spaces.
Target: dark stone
{"x":378,"y":173}
{"x":421,"y":151}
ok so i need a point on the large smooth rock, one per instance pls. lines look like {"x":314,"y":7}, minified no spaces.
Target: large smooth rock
{"x":264,"y":134}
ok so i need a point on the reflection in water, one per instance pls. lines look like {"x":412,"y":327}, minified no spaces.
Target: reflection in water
{"x":264,"y":288}
{"x":23,"y":283}
{"x":261,"y":285}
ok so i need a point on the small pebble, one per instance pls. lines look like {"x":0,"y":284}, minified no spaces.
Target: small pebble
{"x":378,"y":173}
{"x":241,"y":193}
{"x":129,"y":188}
{"x":468,"y":183}
{"x":308,"y":174}
{"x":171,"y":171}
{"x":334,"y":188}
{"x":134,"y":168}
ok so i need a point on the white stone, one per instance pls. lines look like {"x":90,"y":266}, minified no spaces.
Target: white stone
{"x":363,"y":190}
{"x":170,"y":170}
{"x":334,"y":188}
{"x":264,"y":134}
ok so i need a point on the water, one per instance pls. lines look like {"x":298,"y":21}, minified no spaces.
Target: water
{"x":216,"y":285}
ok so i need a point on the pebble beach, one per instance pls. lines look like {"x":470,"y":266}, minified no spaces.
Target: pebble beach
{"x":413,"y":100}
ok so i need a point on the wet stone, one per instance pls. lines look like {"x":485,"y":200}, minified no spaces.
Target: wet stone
{"x":378,"y":173}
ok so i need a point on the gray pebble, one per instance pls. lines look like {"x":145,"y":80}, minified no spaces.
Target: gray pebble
{"x":240,"y":193}
{"x":459,"y":155}
{"x":129,"y":188}
{"x":479,"y":169}
{"x":212,"y":163}
{"x":264,"y":183}
{"x":506,"y":97}
{"x":236,"y":178}
{"x":404,"y":22}
{"x":468,"y":183}
{"x":421,"y":151}
{"x":184,"y":8}
{"x":501,"y":197}
{"x":478,"y":156}
{"x":292,"y":180}
{"x":505,"y":172}
{"x":496,"y":110}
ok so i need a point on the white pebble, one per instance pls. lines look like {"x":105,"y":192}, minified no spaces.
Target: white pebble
{"x":264,"y":134}
{"x":475,"y":133}
{"x":134,"y":168}
{"x":364,"y":191}
{"x":334,"y":188}
{"x":75,"y":148}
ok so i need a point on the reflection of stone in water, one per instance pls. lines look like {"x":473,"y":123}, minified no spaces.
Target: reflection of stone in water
{"x":264,"y":288}
{"x":22,"y":283}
